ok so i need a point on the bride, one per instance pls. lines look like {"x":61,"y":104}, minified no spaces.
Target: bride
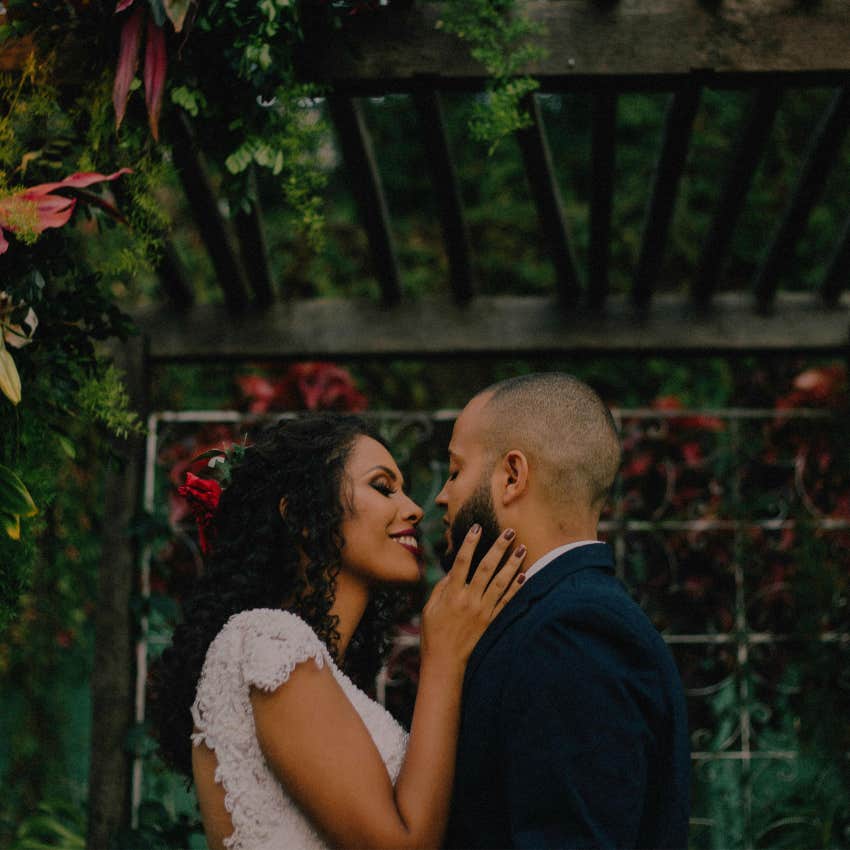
{"x":257,"y":699}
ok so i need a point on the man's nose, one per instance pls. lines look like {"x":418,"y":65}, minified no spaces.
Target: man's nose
{"x":441,"y":498}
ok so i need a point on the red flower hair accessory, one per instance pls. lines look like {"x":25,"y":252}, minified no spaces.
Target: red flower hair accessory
{"x":203,"y":495}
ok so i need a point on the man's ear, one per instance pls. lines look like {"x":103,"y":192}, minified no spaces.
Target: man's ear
{"x":514,"y":471}
{"x":282,"y":505}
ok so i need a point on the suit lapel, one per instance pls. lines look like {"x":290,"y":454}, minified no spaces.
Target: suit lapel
{"x":596,"y":555}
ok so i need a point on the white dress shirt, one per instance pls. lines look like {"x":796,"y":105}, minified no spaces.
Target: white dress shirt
{"x":555,"y":553}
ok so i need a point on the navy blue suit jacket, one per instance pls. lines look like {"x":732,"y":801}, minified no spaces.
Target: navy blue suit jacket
{"x":573,"y":729}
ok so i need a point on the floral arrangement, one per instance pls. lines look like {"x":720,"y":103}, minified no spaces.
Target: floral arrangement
{"x":203,"y":495}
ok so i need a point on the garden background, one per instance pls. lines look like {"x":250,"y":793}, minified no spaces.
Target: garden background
{"x":732,"y":515}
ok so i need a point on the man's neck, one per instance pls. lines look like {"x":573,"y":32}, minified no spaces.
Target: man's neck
{"x":541,"y":538}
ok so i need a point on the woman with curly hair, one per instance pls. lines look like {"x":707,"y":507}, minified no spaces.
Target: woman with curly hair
{"x":257,"y":699}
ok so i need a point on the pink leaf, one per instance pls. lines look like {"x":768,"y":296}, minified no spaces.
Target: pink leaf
{"x":53,"y":211}
{"x":73,"y":181}
{"x":128,"y":61}
{"x":155,"y":67}
{"x":50,"y":210}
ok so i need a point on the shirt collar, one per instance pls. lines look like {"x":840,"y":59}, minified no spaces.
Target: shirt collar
{"x":553,"y":554}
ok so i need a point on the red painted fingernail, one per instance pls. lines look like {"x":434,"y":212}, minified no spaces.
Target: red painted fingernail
{"x":520,"y":578}
{"x":509,"y":534}
{"x":520,"y":551}
{"x":476,"y":529}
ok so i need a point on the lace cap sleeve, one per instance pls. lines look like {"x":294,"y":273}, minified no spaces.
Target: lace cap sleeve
{"x":273,"y":643}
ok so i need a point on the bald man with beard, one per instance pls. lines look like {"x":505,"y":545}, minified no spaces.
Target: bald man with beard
{"x":574,"y":731}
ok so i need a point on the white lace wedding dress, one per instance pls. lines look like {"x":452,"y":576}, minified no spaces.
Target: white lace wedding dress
{"x":261,"y":648}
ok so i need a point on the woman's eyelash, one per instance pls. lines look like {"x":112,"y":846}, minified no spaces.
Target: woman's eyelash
{"x":383,"y":488}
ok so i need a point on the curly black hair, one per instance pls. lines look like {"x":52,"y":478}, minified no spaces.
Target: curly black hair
{"x":255,"y":562}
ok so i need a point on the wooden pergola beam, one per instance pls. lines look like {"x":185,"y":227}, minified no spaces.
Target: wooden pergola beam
{"x":214,"y":230}
{"x":665,"y":187}
{"x":756,"y":129}
{"x":602,"y":195}
{"x":174,"y":282}
{"x":537,"y":159}
{"x":253,"y":249}
{"x":502,"y":326}
{"x":445,"y":183}
{"x":837,"y":277}
{"x":643,"y":41}
{"x":356,"y":144}
{"x":638,"y":40}
{"x":818,"y":161}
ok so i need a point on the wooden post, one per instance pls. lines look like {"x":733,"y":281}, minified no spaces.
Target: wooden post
{"x":540,"y":171}
{"x":671,"y":163}
{"x":602,"y":196}
{"x":212,"y":225}
{"x":174,"y":282}
{"x":112,"y":678}
{"x":837,"y":275}
{"x":824,"y":149}
{"x":455,"y":231}
{"x":356,"y":144}
{"x":253,"y":248}
{"x":757,"y":125}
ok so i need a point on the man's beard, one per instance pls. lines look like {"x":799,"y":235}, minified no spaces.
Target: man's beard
{"x":477,"y":508}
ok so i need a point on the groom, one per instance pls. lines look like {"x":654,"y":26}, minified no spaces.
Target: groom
{"x":574,"y":732}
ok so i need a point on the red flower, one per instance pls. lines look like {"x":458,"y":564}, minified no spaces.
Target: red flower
{"x":639,"y":465}
{"x":692,"y":454}
{"x":203,"y":495}
{"x":821,"y":387}
{"x":261,"y":394}
{"x":667,"y":402}
{"x":304,"y":386}
{"x":64,"y":638}
{"x":699,"y":422}
{"x":326,"y":386}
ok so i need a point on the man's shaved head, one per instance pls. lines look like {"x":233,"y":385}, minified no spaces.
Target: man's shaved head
{"x":565,"y":430}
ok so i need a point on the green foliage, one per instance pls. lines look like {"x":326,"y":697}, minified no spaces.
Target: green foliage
{"x":15,"y":502}
{"x":65,"y":276}
{"x":45,"y":648}
{"x":191,"y":100}
{"x":236,"y":80}
{"x":56,"y":824}
{"x":104,"y":399}
{"x":499,"y":39}
{"x":27,"y":111}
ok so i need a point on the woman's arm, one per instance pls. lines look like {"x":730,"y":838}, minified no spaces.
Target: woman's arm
{"x":319,"y":748}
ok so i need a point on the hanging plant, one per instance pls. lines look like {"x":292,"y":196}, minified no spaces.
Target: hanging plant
{"x":228,"y":65}
{"x":500,"y":39}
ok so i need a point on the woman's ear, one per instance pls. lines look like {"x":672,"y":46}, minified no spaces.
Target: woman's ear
{"x":282,"y":505}
{"x":515,"y":476}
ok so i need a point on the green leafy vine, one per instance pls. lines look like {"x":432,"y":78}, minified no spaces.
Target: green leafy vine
{"x":501,"y":40}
